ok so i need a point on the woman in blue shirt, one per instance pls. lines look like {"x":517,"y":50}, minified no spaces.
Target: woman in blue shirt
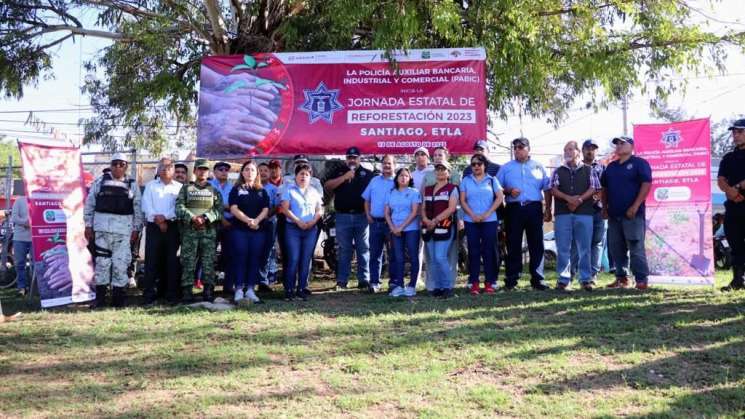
{"x":402,"y":216}
{"x":480,"y":196}
{"x":249,"y":204}
{"x":302,"y":205}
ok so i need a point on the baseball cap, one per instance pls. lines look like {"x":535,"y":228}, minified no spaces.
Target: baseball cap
{"x":739,"y":124}
{"x":274,"y":163}
{"x":353,"y":151}
{"x":590,"y":143}
{"x":300,"y":158}
{"x":482,"y":144}
{"x":522,"y":141}
{"x":201,"y":164}
{"x":622,"y":139}
{"x":120,"y":157}
{"x":221,"y":164}
{"x":421,"y":150}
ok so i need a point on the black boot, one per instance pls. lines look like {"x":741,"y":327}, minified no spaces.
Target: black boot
{"x":100,"y":301}
{"x":187,"y":297}
{"x":738,"y":279}
{"x":209,"y":293}
{"x":118,"y":297}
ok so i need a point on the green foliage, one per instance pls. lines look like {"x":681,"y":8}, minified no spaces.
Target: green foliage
{"x":541,"y":54}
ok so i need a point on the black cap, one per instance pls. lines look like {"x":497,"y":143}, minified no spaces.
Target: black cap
{"x":521,"y":141}
{"x":221,"y":164}
{"x":622,"y":139}
{"x":300,"y":158}
{"x":739,"y":124}
{"x":353,"y":151}
{"x":590,"y":143}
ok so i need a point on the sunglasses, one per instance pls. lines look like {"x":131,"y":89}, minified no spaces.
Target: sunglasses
{"x":118,"y":163}
{"x":477,"y":163}
{"x":518,"y":147}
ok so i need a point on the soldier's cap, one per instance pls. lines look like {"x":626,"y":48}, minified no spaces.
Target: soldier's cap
{"x":739,"y":124}
{"x":353,"y":152}
{"x":444,"y":164}
{"x":521,"y":141}
{"x":622,"y":139}
{"x":221,"y":164}
{"x":299,"y":158}
{"x":119,"y":157}
{"x":201,"y":164}
{"x":421,"y":150}
{"x":482,"y":144}
{"x":590,"y":143}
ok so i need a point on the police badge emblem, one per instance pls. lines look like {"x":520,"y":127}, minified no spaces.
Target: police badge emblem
{"x":671,"y":138}
{"x":321,"y":103}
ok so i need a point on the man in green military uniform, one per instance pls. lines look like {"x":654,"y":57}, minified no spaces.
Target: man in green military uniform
{"x":199,"y":207}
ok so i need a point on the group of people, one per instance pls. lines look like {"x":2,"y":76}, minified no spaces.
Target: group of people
{"x":405,"y":215}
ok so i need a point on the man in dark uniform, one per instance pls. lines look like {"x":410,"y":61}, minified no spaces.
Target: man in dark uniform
{"x":347,"y":183}
{"x":199,"y":207}
{"x":731,"y":180}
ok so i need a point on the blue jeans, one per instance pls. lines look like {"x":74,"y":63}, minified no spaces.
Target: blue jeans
{"x":300,"y":245}
{"x":526,"y":219}
{"x":627,"y":237}
{"x":573,"y":231}
{"x":406,"y":243}
{"x":21,"y":252}
{"x":438,"y":253}
{"x":352,"y":232}
{"x":380,"y":238}
{"x":597,"y":246}
{"x":482,"y":244}
{"x":246,"y":254}
{"x":269,"y":255}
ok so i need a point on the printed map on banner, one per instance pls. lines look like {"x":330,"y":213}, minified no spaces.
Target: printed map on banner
{"x":325,"y":102}
{"x":679,"y":237}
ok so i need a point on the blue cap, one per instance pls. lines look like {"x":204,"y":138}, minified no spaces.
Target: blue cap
{"x":353,"y":152}
{"x":622,"y":139}
{"x":739,"y":124}
{"x":590,"y":143}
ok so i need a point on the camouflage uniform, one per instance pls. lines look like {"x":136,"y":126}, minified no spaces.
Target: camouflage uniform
{"x":112,"y":234}
{"x":195,"y":200}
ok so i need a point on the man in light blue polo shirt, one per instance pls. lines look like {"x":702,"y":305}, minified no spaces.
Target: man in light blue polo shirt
{"x":375,"y":196}
{"x":221,"y":182}
{"x":525,"y":184}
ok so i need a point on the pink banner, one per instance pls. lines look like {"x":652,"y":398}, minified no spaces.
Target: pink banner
{"x":679,"y":237}
{"x":63,"y":268}
{"x":325,"y":102}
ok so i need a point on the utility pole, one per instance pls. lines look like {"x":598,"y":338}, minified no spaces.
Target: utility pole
{"x":625,"y":112}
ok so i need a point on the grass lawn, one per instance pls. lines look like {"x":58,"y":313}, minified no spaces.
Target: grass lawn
{"x":661,"y":353}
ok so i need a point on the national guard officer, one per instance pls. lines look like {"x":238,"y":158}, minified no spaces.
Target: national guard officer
{"x":199,"y":207}
{"x":113,"y":220}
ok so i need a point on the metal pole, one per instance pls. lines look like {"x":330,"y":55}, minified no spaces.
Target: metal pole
{"x":625,"y":112}
{"x":6,"y":222}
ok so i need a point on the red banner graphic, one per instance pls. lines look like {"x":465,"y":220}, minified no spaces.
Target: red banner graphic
{"x":325,"y":102}
{"x":63,"y":268}
{"x":679,"y":237}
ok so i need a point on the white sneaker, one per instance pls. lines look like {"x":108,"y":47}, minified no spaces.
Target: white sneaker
{"x":238,"y":295}
{"x":410,"y":291}
{"x":398,"y":292}
{"x":251,"y":295}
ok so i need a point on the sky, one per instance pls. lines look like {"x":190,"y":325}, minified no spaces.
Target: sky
{"x":718,"y":96}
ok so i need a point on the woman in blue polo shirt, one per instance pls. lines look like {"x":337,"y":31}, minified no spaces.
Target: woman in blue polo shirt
{"x":480,"y":196}
{"x":249,"y":204}
{"x":402,"y":216}
{"x":302,"y":205}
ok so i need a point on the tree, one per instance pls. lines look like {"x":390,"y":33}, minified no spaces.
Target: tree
{"x":541,"y":53}
{"x":721,"y":137}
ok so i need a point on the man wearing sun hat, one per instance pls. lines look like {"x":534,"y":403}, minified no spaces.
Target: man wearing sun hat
{"x":731,"y":180}
{"x":626,"y":183}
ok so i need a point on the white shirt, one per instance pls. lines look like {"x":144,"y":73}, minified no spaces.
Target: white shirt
{"x":419,"y":175}
{"x":160,"y":198}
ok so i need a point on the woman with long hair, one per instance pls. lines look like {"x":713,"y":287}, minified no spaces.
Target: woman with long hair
{"x":249,"y":203}
{"x":402,"y":216}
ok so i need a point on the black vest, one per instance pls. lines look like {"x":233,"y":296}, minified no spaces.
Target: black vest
{"x":115,"y":196}
{"x":571,"y":183}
